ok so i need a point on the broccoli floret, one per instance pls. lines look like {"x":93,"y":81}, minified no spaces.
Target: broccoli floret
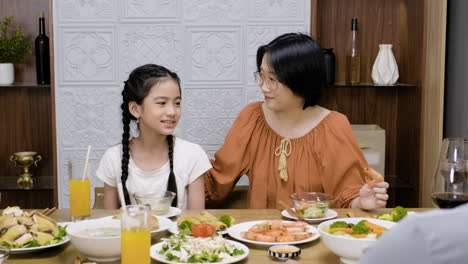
{"x":398,"y":213}
{"x":186,"y":224}
{"x":387,"y":217}
{"x":227,"y":219}
{"x":339,"y":224}
{"x":361,"y":228}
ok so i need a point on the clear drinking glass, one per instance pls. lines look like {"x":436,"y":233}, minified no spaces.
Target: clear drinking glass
{"x":80,"y":191}
{"x":4,"y":254}
{"x":135,"y":234}
{"x":450,"y":180}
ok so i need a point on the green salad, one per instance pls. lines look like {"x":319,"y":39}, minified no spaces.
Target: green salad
{"x":184,"y":248}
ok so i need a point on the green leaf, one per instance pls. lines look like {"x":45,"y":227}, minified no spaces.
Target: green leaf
{"x":14,"y":47}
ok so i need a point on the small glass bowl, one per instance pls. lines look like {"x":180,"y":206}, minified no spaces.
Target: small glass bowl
{"x":4,"y":254}
{"x":311,"y":204}
{"x":160,"y":203}
{"x":284,"y":252}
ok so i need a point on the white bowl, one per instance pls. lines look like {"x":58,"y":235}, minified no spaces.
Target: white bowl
{"x":349,"y":249}
{"x":99,"y":249}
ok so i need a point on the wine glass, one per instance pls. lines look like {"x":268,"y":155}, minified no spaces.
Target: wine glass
{"x":450,"y":182}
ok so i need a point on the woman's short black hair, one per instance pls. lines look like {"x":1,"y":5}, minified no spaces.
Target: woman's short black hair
{"x":297,"y":62}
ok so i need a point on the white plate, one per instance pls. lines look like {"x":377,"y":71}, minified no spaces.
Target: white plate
{"x":33,"y":249}
{"x":164,"y":223}
{"x":157,"y":247}
{"x":330,"y":214}
{"x":174,"y":229}
{"x":173,"y":211}
{"x":235,"y":232}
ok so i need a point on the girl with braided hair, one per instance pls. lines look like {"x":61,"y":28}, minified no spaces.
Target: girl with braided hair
{"x":155,"y":160}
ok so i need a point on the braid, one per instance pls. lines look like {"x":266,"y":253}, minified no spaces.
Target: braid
{"x":125,"y":149}
{"x":172,"y":184}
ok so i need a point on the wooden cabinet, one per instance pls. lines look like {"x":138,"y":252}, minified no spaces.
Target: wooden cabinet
{"x":401,"y":109}
{"x":27,"y":115}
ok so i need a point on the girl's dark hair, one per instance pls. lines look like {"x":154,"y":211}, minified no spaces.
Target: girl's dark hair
{"x":297,"y":62}
{"x":136,"y":88}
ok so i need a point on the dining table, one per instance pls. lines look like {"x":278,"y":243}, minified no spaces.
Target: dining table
{"x":311,"y":252}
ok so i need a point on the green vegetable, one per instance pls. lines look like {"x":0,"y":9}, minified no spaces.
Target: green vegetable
{"x":172,"y":257}
{"x":361,"y":228}
{"x":395,"y":215}
{"x":398,"y":213}
{"x":186,"y":224}
{"x":339,"y":224}
{"x":238,"y":252}
{"x":387,"y":217}
{"x":227,"y":219}
{"x":338,"y":233}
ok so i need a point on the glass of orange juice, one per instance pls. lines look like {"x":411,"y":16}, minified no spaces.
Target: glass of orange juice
{"x":80,"y":191}
{"x":135,"y":234}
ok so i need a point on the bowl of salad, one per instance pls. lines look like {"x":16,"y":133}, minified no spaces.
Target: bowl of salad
{"x":348,"y":237}
{"x":311,"y":204}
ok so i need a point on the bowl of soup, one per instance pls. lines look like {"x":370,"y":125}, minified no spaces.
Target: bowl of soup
{"x":97,"y":239}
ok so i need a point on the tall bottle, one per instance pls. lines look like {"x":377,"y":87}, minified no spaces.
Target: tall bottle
{"x":42,"y":54}
{"x":353,"y":59}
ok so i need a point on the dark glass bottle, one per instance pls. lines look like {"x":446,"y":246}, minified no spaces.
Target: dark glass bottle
{"x":42,"y":54}
{"x":329,"y":59}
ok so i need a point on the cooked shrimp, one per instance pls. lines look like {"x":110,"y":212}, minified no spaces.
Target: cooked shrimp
{"x":295,"y":224}
{"x":278,"y":231}
{"x":258,"y":228}
{"x":302,"y":235}
{"x":285,"y":239}
{"x":274,"y":233}
{"x":276,"y":224}
{"x":296,"y":229}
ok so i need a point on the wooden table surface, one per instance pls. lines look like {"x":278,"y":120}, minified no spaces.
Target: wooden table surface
{"x":312,"y":252}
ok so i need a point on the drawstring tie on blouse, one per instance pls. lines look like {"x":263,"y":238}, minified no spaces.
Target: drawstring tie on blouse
{"x":283,"y":151}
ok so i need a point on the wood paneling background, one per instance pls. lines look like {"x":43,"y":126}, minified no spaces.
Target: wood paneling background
{"x":26,"y":110}
{"x":397,"y":109}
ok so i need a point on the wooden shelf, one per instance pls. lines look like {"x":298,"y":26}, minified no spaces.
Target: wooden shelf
{"x":24,"y":85}
{"x":397,"y":85}
{"x":40,"y":183}
{"x":396,"y":108}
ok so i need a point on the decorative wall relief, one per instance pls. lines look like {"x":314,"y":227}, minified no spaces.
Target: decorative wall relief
{"x":87,"y":55}
{"x":215,"y":54}
{"x":95,"y":10}
{"x":211,"y":44}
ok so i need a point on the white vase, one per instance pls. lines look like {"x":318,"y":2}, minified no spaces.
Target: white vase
{"x":7,"y":73}
{"x":385,"y":69}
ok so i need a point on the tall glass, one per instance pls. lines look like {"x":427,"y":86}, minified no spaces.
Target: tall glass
{"x":450,"y":181}
{"x":80,"y":191}
{"x":136,"y":236}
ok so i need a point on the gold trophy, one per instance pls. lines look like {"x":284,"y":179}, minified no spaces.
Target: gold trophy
{"x":25,"y":159}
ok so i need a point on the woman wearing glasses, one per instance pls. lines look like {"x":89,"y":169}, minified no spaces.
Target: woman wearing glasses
{"x":288,"y":143}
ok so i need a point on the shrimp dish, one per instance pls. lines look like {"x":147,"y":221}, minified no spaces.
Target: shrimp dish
{"x":278,"y":231}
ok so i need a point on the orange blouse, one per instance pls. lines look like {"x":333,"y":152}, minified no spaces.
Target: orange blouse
{"x":326,"y":159}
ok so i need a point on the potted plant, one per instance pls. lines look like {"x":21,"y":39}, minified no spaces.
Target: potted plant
{"x":14,"y":48}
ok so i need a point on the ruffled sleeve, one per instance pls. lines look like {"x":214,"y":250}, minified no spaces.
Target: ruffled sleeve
{"x":341,"y":160}
{"x":233,"y":159}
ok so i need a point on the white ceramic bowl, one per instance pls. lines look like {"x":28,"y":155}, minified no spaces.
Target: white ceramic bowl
{"x":349,"y":249}
{"x":99,"y":249}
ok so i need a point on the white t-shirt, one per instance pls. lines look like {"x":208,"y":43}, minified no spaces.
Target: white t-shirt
{"x":190,"y":162}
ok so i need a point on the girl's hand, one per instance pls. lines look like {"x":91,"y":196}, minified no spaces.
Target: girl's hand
{"x":373,"y":197}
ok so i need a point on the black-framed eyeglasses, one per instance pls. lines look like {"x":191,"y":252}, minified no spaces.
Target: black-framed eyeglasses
{"x":260,"y":79}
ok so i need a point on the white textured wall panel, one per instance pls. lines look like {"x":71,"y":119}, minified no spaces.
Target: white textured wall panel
{"x":211,"y":44}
